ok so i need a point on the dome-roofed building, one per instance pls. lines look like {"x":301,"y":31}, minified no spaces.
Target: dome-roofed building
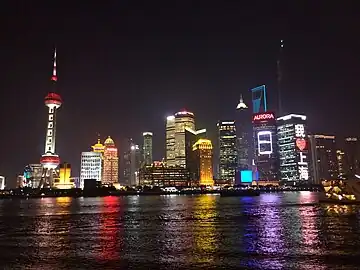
{"x":111,"y":163}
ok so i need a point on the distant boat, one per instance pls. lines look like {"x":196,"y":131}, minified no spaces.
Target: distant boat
{"x":239,"y":192}
{"x":341,"y":191}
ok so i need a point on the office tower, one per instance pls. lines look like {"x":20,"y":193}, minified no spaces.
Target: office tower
{"x":148,"y":148}
{"x":132,"y":164}
{"x":33,"y":175}
{"x":91,"y":166}
{"x":135,"y":164}
{"x":352,"y":156}
{"x":111,"y":166}
{"x":204,"y":159}
{"x":227,"y":150}
{"x":341,"y":163}
{"x":64,"y":181}
{"x":170,"y":141}
{"x":294,"y":154}
{"x":2,"y":182}
{"x":191,"y":137}
{"x":50,"y":160}
{"x":324,"y":161}
{"x":243,"y":128}
{"x":183,"y":120}
{"x":265,"y":146}
{"x":259,"y":101}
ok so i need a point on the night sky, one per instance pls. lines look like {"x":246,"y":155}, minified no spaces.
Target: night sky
{"x":124,"y":66}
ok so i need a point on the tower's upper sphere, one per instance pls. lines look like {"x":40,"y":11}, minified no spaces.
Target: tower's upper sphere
{"x":53,"y":99}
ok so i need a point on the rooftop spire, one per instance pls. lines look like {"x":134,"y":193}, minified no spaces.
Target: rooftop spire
{"x":54,"y":77}
{"x":241,"y":105}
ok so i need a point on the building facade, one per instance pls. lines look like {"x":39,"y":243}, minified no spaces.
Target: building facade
{"x":2,"y":182}
{"x":64,"y":181}
{"x":32,"y":175}
{"x":111,"y":165}
{"x":293,"y":147}
{"x":170,"y":141}
{"x":227,"y":151}
{"x":158,"y":174}
{"x":352,"y":156}
{"x":265,"y":146}
{"x":91,"y":166}
{"x":183,"y":120}
{"x":324,"y":160}
{"x":148,"y":148}
{"x":204,"y":159}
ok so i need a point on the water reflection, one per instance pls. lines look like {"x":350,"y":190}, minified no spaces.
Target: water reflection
{"x":110,"y":229}
{"x":204,"y":230}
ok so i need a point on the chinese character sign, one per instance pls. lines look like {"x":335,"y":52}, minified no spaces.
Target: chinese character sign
{"x":300,"y":145}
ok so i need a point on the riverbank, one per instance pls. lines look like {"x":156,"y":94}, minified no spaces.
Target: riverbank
{"x":102,"y":192}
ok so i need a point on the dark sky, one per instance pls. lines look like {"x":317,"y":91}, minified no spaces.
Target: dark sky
{"x":124,"y":66}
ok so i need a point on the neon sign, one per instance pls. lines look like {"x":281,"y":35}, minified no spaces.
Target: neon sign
{"x":264,"y":143}
{"x":263,"y":116}
{"x":300,"y":142}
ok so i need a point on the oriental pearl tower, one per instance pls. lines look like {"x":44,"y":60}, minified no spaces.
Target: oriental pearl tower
{"x":50,"y":160}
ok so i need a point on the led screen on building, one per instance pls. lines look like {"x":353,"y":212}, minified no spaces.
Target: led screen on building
{"x":246,"y":176}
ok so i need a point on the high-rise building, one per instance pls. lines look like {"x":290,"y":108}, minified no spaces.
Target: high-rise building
{"x":227,"y":151}
{"x":352,"y":156}
{"x":111,"y":165}
{"x":33,"y":175}
{"x":265,"y":146}
{"x":294,"y":154}
{"x":91,"y":166}
{"x":50,"y":160}
{"x":148,"y":148}
{"x":132,"y":164}
{"x":2,"y":182}
{"x":341,"y":163}
{"x":243,"y":128}
{"x":324,"y":161}
{"x":64,"y":181}
{"x":170,"y":141}
{"x":204,"y":156}
{"x":98,"y":147}
{"x":183,"y":120}
{"x":191,"y":137}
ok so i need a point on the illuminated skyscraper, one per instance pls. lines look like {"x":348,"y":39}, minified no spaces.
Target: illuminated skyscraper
{"x":259,"y":99}
{"x":243,"y":128}
{"x":170,"y":141}
{"x":293,"y":148}
{"x":191,"y":163}
{"x":64,"y":181}
{"x":183,"y":120}
{"x":98,"y":147}
{"x":2,"y":182}
{"x":147,"y":148}
{"x":204,"y":155}
{"x":352,"y":156}
{"x":111,"y":165}
{"x":227,"y":150}
{"x":265,"y":146}
{"x":324,"y":161}
{"x":132,"y":164}
{"x":91,"y":166}
{"x":50,"y":160}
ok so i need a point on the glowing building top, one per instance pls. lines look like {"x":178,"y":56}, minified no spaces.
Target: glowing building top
{"x":109,"y":142}
{"x":241,"y":105}
{"x":111,"y":165}
{"x":204,"y":156}
{"x":98,"y":147}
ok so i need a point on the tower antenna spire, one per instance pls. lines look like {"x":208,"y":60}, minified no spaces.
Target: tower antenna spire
{"x":279,"y":76}
{"x":54,"y":76}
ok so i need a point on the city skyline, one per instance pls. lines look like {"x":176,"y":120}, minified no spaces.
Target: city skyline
{"x":229,"y":75}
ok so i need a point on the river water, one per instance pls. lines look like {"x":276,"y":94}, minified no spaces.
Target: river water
{"x":273,"y":231}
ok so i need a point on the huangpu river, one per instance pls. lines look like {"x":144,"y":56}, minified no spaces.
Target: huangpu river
{"x":287,"y":230}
